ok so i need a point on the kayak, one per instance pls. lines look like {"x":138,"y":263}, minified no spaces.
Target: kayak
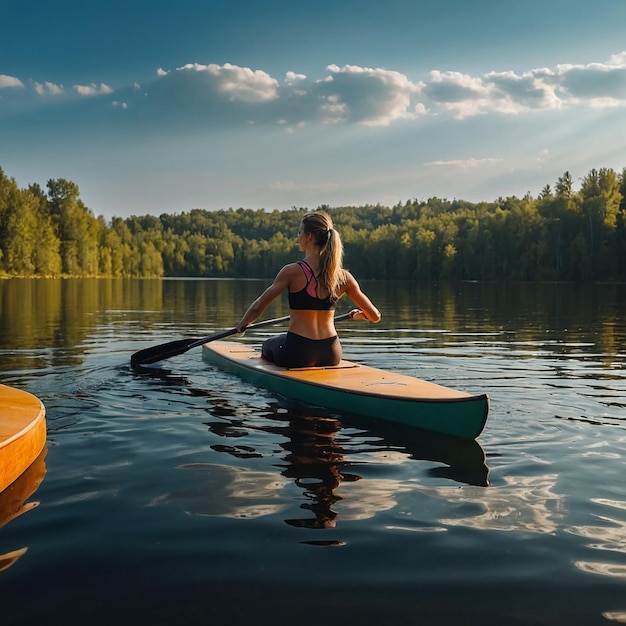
{"x":14,"y":501}
{"x":22,"y":433}
{"x":358,"y":389}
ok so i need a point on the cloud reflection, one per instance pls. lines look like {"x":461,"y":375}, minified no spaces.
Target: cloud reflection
{"x":226,"y":491}
{"x":609,"y":537}
{"x":526,"y":503}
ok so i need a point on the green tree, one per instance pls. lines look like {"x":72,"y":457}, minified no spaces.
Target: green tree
{"x":47,"y":257}
{"x":77,"y":229}
{"x":564,"y":186}
{"x":19,"y":225}
{"x":600,"y":206}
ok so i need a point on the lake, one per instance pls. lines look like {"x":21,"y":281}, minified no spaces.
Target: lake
{"x":181,"y":495}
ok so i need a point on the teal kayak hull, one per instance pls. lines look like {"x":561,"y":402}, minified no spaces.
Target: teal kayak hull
{"x":359,"y":390}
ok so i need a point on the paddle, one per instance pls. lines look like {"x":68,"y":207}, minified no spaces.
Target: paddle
{"x":173,"y":348}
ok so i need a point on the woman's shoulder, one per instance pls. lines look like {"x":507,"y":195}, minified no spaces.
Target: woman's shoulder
{"x":348,"y":277}
{"x":291,"y":267}
{"x":289,"y":271}
{"x":347,"y":281}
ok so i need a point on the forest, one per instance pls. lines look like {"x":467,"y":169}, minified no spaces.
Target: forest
{"x":563,"y":234}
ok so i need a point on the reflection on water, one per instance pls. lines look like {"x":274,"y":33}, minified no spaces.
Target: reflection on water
{"x":10,"y":558}
{"x":318,"y":454}
{"x":525,"y":504}
{"x":225,"y":491}
{"x":610,"y":536}
{"x":314,"y":461}
{"x":321,"y":461}
{"x":14,"y":502}
{"x":528,"y":318}
{"x":208,"y":487}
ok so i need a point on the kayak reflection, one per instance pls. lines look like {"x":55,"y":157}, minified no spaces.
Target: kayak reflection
{"x":322,"y":453}
{"x":14,"y":502}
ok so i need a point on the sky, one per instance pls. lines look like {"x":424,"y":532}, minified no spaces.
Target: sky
{"x":155,"y":106}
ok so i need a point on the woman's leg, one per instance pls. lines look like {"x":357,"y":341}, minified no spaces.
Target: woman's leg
{"x":293,"y":350}
{"x":271,"y":348}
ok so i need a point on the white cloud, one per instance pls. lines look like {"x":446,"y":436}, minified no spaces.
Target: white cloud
{"x":49,"y":88}
{"x":291,"y":186}
{"x":9,"y":81}
{"x":298,"y":84}
{"x":370,"y":96}
{"x":93,"y":89}
{"x":376,"y":96}
{"x":593,"y":85}
{"x":464,"y":164}
{"x":350,"y":94}
{"x":240,"y":84}
{"x":597,"y":84}
{"x":379,"y":97}
{"x":513,"y":93}
{"x":460,"y":93}
{"x":504,"y":92}
{"x":292,"y":77}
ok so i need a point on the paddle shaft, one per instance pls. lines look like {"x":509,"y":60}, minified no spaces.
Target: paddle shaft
{"x":180,"y":346}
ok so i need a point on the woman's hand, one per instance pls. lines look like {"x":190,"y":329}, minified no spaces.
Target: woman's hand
{"x":353,"y":314}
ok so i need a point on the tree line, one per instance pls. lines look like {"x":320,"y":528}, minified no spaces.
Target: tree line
{"x":562,"y":234}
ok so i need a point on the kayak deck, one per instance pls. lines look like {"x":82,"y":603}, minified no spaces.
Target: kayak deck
{"x":360,"y":389}
{"x":22,"y":432}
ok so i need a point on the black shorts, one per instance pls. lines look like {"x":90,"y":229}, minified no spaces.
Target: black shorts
{"x":291,"y":350}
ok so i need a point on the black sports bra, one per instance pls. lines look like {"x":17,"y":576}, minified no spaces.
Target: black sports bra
{"x":306,"y":298}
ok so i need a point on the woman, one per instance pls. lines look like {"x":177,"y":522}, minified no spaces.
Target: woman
{"x":314,"y":286}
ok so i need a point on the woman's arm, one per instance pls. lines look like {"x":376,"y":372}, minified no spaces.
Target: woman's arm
{"x":366,"y":311}
{"x":281,"y":282}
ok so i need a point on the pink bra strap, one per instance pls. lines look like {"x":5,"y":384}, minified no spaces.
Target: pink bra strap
{"x":311,"y":281}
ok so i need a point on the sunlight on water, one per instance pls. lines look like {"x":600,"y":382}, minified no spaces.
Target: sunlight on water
{"x":197,"y":490}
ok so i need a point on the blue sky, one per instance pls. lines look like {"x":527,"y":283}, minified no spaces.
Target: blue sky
{"x":155,"y":106}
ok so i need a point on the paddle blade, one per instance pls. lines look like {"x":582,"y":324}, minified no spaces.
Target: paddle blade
{"x":163,"y":351}
{"x":172,"y":348}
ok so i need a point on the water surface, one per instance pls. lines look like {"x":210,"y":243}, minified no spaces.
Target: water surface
{"x":182,"y":495}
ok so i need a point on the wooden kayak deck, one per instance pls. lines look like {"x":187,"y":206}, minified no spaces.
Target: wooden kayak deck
{"x":356,"y":388}
{"x":22,"y":432}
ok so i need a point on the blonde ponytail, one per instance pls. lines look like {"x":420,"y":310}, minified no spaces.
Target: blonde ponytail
{"x":331,"y":275}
